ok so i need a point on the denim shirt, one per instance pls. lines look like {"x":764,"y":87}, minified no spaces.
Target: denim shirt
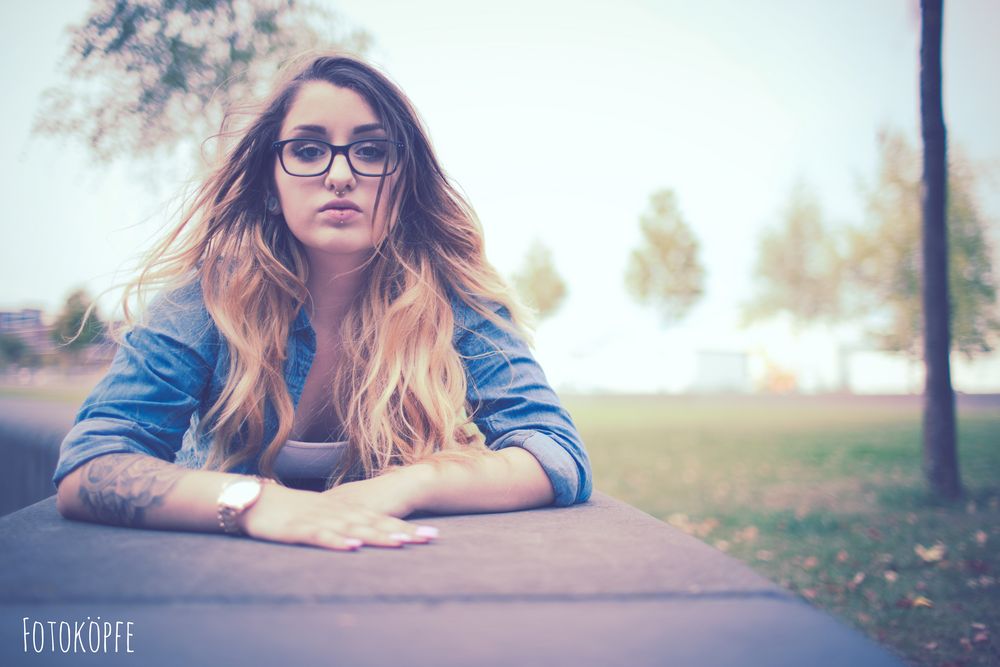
{"x":170,"y":370}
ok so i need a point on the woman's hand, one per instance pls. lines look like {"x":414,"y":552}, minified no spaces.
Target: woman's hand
{"x":397,"y":493}
{"x":326,"y":520}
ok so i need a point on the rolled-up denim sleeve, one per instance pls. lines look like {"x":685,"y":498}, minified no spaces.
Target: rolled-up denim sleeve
{"x":155,"y":383}
{"x":514,"y":406}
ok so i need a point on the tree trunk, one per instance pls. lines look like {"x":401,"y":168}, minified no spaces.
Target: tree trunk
{"x":940,"y":455}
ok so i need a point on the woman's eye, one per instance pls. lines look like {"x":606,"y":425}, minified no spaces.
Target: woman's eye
{"x":309,"y":152}
{"x":371,"y":152}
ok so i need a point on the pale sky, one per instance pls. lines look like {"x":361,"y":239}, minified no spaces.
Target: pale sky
{"x":559,"y":119}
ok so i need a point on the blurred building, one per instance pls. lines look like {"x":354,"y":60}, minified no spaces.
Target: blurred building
{"x":27,"y":325}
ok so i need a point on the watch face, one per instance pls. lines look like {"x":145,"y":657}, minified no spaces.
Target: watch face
{"x":238,"y":494}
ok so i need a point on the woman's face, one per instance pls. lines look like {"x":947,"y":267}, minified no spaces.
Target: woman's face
{"x":331,"y":213}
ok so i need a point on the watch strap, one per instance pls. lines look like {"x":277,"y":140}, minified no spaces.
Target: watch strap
{"x":228,"y":514}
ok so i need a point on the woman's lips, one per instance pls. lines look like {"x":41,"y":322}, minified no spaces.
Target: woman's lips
{"x":339,"y":215}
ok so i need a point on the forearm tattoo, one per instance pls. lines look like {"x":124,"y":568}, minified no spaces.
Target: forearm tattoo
{"x":119,"y":488}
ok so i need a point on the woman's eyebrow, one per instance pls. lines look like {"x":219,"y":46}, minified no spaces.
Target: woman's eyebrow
{"x":370,"y":127}
{"x":316,"y":129}
{"x":319,"y":129}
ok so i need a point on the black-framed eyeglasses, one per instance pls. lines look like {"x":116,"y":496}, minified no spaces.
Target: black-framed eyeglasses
{"x":313,"y":157}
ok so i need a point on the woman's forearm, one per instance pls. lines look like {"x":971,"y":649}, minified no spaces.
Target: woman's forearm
{"x":503,"y":481}
{"x":141,"y":491}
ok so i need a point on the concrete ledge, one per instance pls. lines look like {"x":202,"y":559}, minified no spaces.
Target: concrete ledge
{"x":594,"y":584}
{"x":30,"y":434}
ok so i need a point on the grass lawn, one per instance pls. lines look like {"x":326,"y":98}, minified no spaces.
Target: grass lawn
{"x":57,"y":394}
{"x":826,"y":497}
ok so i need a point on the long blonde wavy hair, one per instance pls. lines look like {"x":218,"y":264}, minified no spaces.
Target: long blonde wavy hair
{"x":400,"y":389}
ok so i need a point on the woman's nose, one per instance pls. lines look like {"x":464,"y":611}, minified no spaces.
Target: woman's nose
{"x":340,"y":176}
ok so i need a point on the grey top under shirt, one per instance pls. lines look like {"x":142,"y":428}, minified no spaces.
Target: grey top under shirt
{"x":313,"y":461}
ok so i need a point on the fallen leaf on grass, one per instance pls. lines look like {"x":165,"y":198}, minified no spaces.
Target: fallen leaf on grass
{"x":890,"y":576}
{"x":978,"y":626}
{"x":931,"y":554}
{"x":842,"y":556}
{"x":698,"y":529}
{"x":864,"y":618}
{"x":809,"y":593}
{"x":984,"y":581}
{"x":914,"y":602}
{"x":810,"y":562}
{"x":966,"y":644}
{"x":980,"y":537}
{"x":678,"y":520}
{"x":856,"y":581}
{"x":706,"y":527}
{"x":930,"y":646}
{"x":980,"y":637}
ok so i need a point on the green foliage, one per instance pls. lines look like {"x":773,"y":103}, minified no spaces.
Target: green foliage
{"x":884,"y":257}
{"x":13,"y":350}
{"x":665,"y":271}
{"x":798,"y":266}
{"x":145,"y":75}
{"x":538,"y":282}
{"x":74,"y":329}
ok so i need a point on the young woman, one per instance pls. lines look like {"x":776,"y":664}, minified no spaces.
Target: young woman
{"x":327,"y":321}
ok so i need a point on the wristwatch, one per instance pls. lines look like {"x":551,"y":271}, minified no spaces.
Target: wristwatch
{"x":235,"y":499}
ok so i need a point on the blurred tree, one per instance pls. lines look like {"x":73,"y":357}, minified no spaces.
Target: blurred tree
{"x":799,"y":266}
{"x":884,"y":257}
{"x":145,"y":75}
{"x":13,"y":351}
{"x":665,"y":271}
{"x":77,"y":326}
{"x":940,"y":454}
{"x":538,"y":282}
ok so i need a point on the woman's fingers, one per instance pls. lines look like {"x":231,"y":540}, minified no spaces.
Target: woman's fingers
{"x":391,"y":528}
{"x":335,"y":533}
{"x":406,"y":531}
{"x":315,"y":534}
{"x":297,"y":518}
{"x":331,"y":540}
{"x":374,"y":537}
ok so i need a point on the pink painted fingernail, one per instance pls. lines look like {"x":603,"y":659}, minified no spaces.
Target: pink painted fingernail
{"x":427,"y":531}
{"x":352,"y":542}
